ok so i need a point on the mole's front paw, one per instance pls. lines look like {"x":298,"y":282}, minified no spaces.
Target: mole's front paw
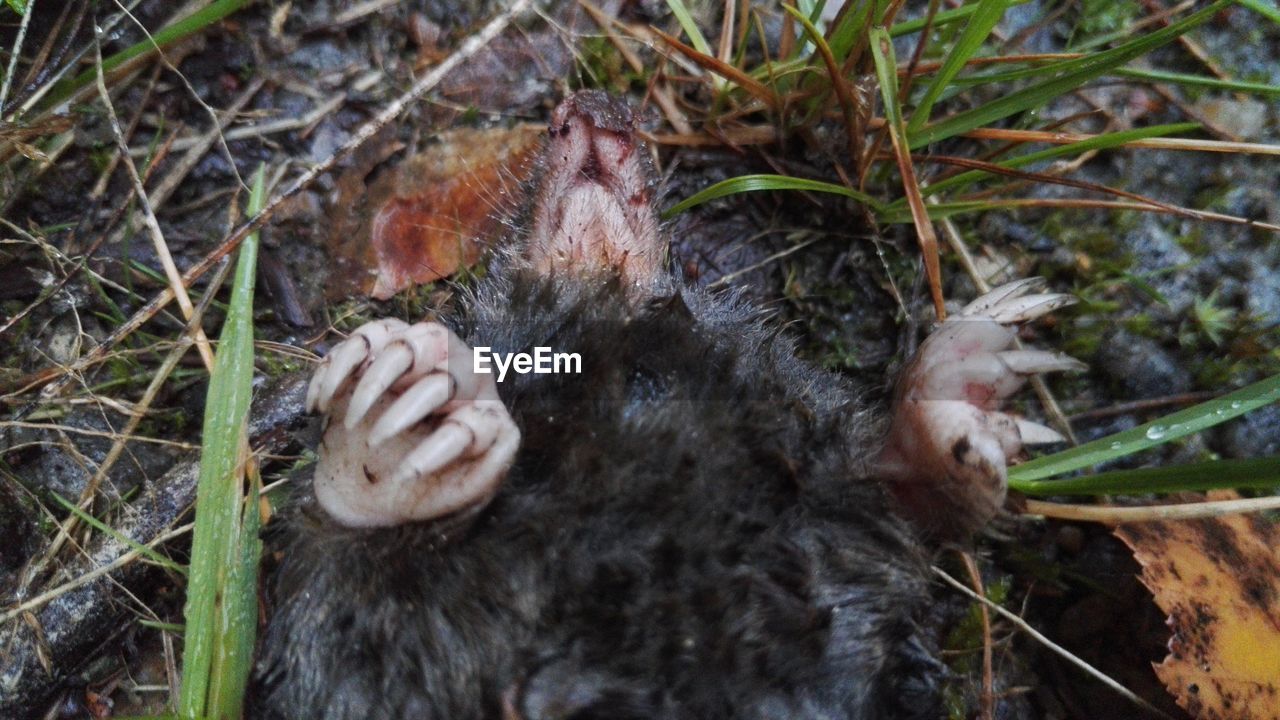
{"x":948,"y":443}
{"x":411,"y":432}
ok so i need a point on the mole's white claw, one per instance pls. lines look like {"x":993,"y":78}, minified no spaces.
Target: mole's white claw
{"x":383,"y":465}
{"x":1033,"y":433}
{"x":411,"y":353}
{"x":418,"y":402}
{"x":480,"y":433}
{"x":466,"y":433}
{"x":483,"y":477}
{"x":985,"y":302}
{"x":381,"y":374}
{"x":340,"y":363}
{"x":1028,"y":362}
{"x":948,"y":446}
{"x":962,"y":336}
{"x":365,"y":342}
{"x":448,"y":443}
{"x":979,"y":378}
{"x":1028,"y":307}
{"x":313,"y":387}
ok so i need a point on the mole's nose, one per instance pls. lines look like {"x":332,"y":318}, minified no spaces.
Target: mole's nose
{"x":597,"y":109}
{"x":593,"y":141}
{"x":592,"y":210}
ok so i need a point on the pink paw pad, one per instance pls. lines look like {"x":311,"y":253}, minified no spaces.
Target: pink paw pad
{"x":948,"y":447}
{"x":411,"y":433}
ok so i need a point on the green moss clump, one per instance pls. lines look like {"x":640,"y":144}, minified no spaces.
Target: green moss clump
{"x":1106,"y":16}
{"x":964,"y":644}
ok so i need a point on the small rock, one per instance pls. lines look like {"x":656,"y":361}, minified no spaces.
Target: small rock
{"x":1257,"y":434}
{"x":1163,"y":263}
{"x":1141,"y":366}
{"x":1244,"y":118}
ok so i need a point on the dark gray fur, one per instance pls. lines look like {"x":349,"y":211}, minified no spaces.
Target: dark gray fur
{"x":688,"y":532}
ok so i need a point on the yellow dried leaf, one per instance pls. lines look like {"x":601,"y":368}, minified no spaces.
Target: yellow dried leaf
{"x":1219,"y":581}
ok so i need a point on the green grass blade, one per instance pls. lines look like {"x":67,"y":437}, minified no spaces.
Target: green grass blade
{"x":239,"y":612}
{"x":189,"y":25}
{"x":942,"y":19}
{"x":757,"y":183}
{"x":1162,"y":430}
{"x":155,"y":717}
{"x":811,"y":16}
{"x":215,"y":624}
{"x":1039,"y":68}
{"x":815,"y":103}
{"x":900,"y":213}
{"x":1270,"y":12}
{"x":690,"y":27}
{"x":844,"y":36}
{"x":1198,"y":81}
{"x":1071,"y":74}
{"x":983,"y":20}
{"x":175,"y":628}
{"x":1101,"y":142}
{"x":886,"y":65}
{"x":1253,"y":473}
{"x":146,"y":552}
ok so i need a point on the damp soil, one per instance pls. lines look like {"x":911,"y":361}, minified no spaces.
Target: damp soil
{"x":1173,"y":309}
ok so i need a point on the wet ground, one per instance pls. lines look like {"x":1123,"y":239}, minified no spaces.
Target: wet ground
{"x":1174,"y":308}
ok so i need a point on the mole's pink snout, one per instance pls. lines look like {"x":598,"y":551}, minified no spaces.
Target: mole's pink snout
{"x":593,"y":209}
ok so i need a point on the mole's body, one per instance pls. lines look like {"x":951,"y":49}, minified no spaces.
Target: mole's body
{"x":697,"y":525}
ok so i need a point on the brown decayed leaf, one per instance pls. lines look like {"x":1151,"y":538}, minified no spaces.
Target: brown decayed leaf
{"x":429,"y":216}
{"x":1219,"y":581}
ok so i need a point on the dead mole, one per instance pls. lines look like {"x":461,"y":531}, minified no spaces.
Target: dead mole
{"x":688,"y":522}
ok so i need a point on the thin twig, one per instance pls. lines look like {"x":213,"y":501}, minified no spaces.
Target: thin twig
{"x":170,"y":670}
{"x":197,"y":147}
{"x":51,"y":40}
{"x":267,"y":128}
{"x":157,"y":236}
{"x":1066,"y":138}
{"x":470,"y":47}
{"x":90,"y":576}
{"x":72,"y":63}
{"x":158,"y":379}
{"x":359,"y":10}
{"x":1056,"y":648}
{"x":91,"y":433}
{"x":222,"y":141}
{"x":16,"y":53}
{"x":1141,"y":406}
{"x":987,"y":701}
{"x":727,"y":278}
{"x":104,"y":177}
{"x":1116,"y":515}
